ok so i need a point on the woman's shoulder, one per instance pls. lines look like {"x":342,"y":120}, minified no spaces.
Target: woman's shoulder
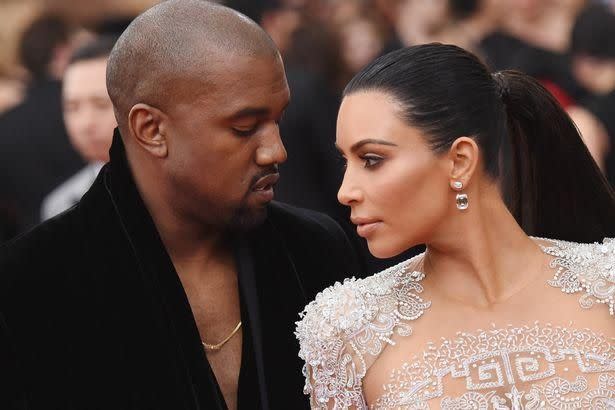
{"x":348,"y":325}
{"x":588,"y":268}
{"x":343,"y":308}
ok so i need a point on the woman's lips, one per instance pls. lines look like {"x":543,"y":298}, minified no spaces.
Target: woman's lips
{"x":366,"y":230}
{"x":365,"y":226}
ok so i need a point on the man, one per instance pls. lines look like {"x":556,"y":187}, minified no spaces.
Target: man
{"x":89,"y":119}
{"x":175,"y":282}
{"x":35,"y":154}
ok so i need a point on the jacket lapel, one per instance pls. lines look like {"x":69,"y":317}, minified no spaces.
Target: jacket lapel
{"x":176,"y":331}
{"x":280,"y":297}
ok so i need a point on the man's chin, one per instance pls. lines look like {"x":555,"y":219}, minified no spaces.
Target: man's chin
{"x":246,"y":219}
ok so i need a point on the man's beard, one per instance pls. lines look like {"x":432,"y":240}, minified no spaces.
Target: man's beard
{"x":245,"y":219}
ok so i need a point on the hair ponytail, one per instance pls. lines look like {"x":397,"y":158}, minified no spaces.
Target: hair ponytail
{"x":552,"y":185}
{"x":549,"y":181}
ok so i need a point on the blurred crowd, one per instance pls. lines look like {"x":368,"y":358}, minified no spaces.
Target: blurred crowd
{"x":56,"y":120}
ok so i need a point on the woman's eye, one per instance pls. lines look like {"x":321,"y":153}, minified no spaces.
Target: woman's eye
{"x":371,"y":161}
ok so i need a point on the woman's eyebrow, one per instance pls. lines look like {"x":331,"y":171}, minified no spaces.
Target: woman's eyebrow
{"x":366,"y":141}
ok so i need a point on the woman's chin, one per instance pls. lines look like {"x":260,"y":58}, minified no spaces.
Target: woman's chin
{"x":382,"y":251}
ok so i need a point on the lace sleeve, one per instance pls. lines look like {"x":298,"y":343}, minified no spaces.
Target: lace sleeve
{"x":333,"y":368}
{"x":585,"y":268}
{"x":347,"y":326}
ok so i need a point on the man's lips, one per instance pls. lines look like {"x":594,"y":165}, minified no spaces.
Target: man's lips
{"x":266,"y":182}
{"x":262,"y":190}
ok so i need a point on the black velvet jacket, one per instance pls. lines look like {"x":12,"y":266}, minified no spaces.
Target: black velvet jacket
{"x":94,"y":316}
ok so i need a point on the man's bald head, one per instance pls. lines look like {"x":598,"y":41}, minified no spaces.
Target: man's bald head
{"x":165,"y":49}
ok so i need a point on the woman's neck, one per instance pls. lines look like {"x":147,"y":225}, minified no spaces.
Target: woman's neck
{"x":482,"y":257}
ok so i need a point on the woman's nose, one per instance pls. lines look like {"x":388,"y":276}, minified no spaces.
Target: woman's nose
{"x":349,"y":191}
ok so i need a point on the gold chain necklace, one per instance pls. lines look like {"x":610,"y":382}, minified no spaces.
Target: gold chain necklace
{"x":218,"y":346}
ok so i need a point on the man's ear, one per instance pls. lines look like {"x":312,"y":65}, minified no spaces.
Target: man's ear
{"x":464,"y":157}
{"x":145,"y":124}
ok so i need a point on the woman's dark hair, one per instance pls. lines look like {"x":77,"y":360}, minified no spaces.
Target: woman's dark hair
{"x":549,"y":180}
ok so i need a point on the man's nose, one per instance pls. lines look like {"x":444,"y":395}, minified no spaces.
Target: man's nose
{"x":271,"y":150}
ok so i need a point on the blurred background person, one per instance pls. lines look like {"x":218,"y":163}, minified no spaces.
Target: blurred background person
{"x":565,"y":44}
{"x":89,"y":119}
{"x":593,"y":50}
{"x":543,"y":23}
{"x":13,"y":16}
{"x":528,"y":35}
{"x":464,"y":23}
{"x":362,"y":39}
{"x":323,"y":45}
{"x":313,"y":65}
{"x":324,"y":42}
{"x":35,"y":154}
{"x":421,"y":21}
{"x":593,"y":65}
{"x":11,"y":91}
{"x":534,"y":37}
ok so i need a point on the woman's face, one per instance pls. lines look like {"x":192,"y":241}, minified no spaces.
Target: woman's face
{"x":398,"y":189}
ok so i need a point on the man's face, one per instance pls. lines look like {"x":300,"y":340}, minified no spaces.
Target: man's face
{"x":224,"y":146}
{"x":88,"y":112}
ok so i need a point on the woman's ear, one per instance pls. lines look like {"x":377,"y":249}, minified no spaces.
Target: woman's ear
{"x":145,"y":124}
{"x":464,"y":157}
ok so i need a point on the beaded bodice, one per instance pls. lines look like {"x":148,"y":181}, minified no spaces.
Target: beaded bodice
{"x":536,"y":365}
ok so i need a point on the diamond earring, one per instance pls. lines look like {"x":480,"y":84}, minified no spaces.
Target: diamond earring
{"x":458,"y":185}
{"x":462,"y":201}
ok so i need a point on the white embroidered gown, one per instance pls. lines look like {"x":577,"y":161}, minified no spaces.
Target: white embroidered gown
{"x":355,"y":332}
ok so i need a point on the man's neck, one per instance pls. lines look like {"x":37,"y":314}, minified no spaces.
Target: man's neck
{"x":196,"y":254}
{"x":190,"y":244}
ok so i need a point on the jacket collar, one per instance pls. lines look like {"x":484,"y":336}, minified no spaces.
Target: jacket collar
{"x":269,"y":283}
{"x":159,"y":277}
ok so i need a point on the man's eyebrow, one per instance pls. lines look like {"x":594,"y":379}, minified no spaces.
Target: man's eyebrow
{"x":251,"y":112}
{"x":366,"y":141}
{"x":255,"y":112}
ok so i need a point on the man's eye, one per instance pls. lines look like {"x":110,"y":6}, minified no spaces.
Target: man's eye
{"x":370,"y":161}
{"x":245,"y":131}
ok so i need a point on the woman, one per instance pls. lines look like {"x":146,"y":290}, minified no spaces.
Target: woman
{"x":441,"y":152}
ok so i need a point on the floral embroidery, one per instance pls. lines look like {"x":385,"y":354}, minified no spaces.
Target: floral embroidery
{"x":344,"y":330}
{"x":496,"y":359}
{"x":348,"y":322}
{"x":585,"y":267}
